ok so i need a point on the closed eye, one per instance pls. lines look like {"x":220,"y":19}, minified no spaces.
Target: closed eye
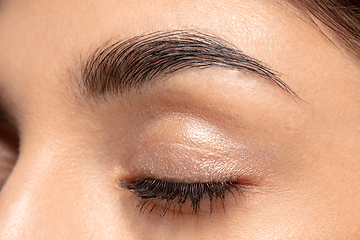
{"x":172,"y":196}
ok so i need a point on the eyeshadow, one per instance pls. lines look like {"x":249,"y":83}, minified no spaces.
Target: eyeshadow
{"x":187,"y":149}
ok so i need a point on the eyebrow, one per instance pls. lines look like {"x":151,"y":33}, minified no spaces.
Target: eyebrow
{"x":129,"y":64}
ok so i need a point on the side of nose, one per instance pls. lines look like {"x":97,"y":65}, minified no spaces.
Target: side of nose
{"x":59,"y":193}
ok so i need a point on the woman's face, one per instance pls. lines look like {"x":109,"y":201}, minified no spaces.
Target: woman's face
{"x":89,"y":130}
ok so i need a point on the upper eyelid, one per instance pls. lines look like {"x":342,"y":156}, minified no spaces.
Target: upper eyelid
{"x":129,"y":64}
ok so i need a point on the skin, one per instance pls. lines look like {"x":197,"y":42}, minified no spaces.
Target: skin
{"x":300,"y":157}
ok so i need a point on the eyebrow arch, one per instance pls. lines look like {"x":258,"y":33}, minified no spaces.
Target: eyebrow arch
{"x":126,"y":65}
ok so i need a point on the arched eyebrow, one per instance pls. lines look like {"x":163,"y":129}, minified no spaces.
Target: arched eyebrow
{"x":129,"y":64}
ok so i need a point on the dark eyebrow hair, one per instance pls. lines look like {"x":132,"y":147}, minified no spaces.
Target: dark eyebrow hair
{"x":126,"y":65}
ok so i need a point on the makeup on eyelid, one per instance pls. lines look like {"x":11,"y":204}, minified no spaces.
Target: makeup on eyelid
{"x":208,"y":130}
{"x":187,"y":149}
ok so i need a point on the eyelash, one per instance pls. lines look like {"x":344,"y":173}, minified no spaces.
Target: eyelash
{"x":152,"y":192}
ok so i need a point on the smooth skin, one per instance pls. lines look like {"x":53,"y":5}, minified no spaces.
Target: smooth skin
{"x":301,"y":153}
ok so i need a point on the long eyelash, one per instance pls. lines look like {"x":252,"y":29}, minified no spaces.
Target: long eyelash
{"x":172,"y":194}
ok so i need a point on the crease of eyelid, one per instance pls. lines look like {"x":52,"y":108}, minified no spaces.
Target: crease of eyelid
{"x":129,"y":64}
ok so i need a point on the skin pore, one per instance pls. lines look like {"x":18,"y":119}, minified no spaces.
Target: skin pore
{"x":294,"y":157}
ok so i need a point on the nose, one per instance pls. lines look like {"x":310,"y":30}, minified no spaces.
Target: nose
{"x":42,"y":195}
{"x":57,"y":191}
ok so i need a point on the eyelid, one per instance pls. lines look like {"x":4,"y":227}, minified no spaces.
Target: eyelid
{"x":182,"y":166}
{"x":172,"y":195}
{"x":178,"y":148}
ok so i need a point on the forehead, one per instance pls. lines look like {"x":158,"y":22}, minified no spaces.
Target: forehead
{"x":66,"y":28}
{"x":64,"y":25}
{"x":45,"y":40}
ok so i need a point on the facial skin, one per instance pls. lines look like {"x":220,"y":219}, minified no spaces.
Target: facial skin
{"x":295,"y":157}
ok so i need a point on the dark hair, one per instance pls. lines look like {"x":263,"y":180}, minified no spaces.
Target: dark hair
{"x":342,"y":16}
